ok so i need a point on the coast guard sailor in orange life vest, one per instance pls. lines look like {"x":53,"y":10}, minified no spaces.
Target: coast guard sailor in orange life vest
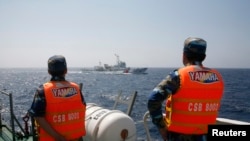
{"x":59,"y":106}
{"x":192,"y":94}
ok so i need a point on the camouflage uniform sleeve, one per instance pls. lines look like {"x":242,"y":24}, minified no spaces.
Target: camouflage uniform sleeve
{"x":38,"y":105}
{"x":167,"y":86}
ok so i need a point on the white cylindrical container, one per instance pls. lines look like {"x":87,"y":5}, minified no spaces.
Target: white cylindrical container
{"x":108,"y":125}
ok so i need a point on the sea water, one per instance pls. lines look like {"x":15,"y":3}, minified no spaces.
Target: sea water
{"x":102,"y":88}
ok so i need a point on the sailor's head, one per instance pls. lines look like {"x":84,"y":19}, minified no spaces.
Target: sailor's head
{"x":57,"y":65}
{"x":195,"y":49}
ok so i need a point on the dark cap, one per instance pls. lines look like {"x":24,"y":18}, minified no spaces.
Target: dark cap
{"x":57,"y":64}
{"x":193,"y":45}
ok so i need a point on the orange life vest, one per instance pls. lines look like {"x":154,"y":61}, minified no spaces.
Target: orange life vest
{"x":64,"y":110}
{"x":196,"y":103}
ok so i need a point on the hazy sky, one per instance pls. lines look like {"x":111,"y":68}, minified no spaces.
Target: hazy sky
{"x":146,"y":33}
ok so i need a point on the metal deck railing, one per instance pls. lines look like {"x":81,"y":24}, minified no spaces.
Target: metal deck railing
{"x":6,"y":129}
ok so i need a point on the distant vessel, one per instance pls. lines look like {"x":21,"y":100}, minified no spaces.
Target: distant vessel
{"x":119,"y":67}
{"x":138,"y":70}
{"x":99,"y":68}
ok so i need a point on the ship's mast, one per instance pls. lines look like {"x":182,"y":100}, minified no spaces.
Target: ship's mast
{"x":117,"y":59}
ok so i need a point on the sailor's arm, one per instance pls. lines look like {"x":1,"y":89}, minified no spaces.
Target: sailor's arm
{"x":46,"y":126}
{"x":159,"y":94}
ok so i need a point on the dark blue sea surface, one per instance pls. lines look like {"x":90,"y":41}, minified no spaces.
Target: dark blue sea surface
{"x":102,"y":89}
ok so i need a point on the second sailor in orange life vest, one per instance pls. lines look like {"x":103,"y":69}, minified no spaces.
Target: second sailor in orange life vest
{"x":192,"y":93}
{"x":59,"y":107}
